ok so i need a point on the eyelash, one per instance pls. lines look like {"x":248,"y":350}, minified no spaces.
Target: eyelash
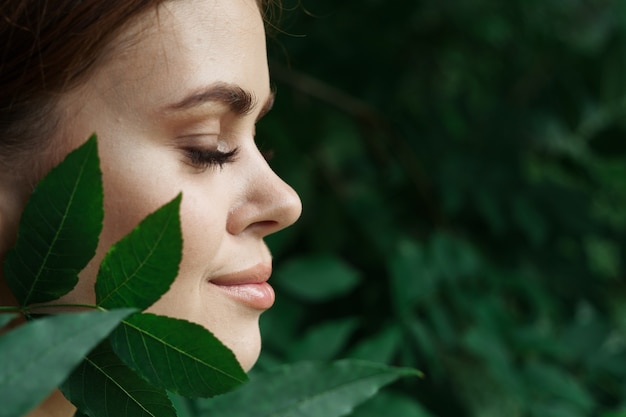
{"x":208,"y":158}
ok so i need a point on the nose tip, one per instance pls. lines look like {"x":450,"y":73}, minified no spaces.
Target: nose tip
{"x":285,"y":211}
{"x":270,"y":204}
{"x":290,"y":206}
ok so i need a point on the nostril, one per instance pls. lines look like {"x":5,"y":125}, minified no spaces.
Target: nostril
{"x":267,"y":224}
{"x":264,"y":227}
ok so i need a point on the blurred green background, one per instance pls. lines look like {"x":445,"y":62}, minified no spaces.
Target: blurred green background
{"x":462,"y":166}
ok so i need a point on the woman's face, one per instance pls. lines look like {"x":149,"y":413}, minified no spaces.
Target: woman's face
{"x":177,"y":94}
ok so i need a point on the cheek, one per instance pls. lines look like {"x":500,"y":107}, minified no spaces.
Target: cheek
{"x":132,"y":190}
{"x":203,"y":222}
{"x":139,"y":180}
{"x":136,"y":182}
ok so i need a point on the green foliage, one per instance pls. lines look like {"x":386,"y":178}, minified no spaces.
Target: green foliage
{"x":126,"y":275}
{"x":111,"y":363}
{"x":317,"y":278}
{"x":102,"y":386}
{"x":51,"y":249}
{"x":466,"y":160}
{"x":154,"y":345}
{"x":306,"y":390}
{"x":5,"y":319}
{"x":54,"y":344}
{"x":390,"y":404}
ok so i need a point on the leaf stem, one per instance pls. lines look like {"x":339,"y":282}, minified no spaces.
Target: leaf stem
{"x":32,"y":308}
{"x":48,"y":306}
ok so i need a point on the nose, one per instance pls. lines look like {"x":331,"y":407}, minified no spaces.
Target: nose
{"x":267,"y":203}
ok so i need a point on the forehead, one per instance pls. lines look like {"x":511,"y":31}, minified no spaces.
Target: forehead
{"x":184,"y":45}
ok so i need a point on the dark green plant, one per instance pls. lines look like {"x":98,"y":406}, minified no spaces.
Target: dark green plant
{"x":117,"y":361}
{"x":467,"y":161}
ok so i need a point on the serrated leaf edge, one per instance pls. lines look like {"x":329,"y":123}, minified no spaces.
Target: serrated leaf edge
{"x":115,"y":290}
{"x":114,"y":381}
{"x":193,"y":358}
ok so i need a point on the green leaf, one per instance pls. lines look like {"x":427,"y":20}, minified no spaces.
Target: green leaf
{"x":554,"y":409}
{"x":306,"y":390}
{"x":140,"y":268}
{"x":555,"y":383}
{"x":380,"y":347}
{"x":6,"y":319}
{"x":182,"y":405}
{"x":529,"y":219}
{"x":425,"y":340}
{"x":454,"y":257}
{"x":390,"y":404}
{"x":325,"y":341}
{"x":59,"y":229}
{"x":317,"y":278}
{"x":412,"y":278}
{"x":615,"y":414}
{"x":102,"y":386}
{"x":38,"y":356}
{"x":154,"y":345}
{"x":604,"y":256}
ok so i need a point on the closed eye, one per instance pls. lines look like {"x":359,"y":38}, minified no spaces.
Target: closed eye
{"x":202,"y":159}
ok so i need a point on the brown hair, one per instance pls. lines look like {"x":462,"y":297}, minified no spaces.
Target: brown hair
{"x":49,"y":47}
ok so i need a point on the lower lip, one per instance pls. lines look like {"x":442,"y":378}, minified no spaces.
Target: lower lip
{"x":259,"y":296}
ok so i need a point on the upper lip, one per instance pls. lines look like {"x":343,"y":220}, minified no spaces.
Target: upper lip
{"x":254,"y":275}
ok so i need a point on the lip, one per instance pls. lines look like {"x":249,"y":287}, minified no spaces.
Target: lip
{"x":248,"y":286}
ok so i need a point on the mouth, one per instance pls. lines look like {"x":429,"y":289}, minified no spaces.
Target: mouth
{"x":248,"y":287}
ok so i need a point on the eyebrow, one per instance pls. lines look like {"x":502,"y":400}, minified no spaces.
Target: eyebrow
{"x":239,"y":100}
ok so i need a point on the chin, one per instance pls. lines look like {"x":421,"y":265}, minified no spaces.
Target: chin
{"x":246,"y":348}
{"x":236,"y":326}
{"x":248,"y":361}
